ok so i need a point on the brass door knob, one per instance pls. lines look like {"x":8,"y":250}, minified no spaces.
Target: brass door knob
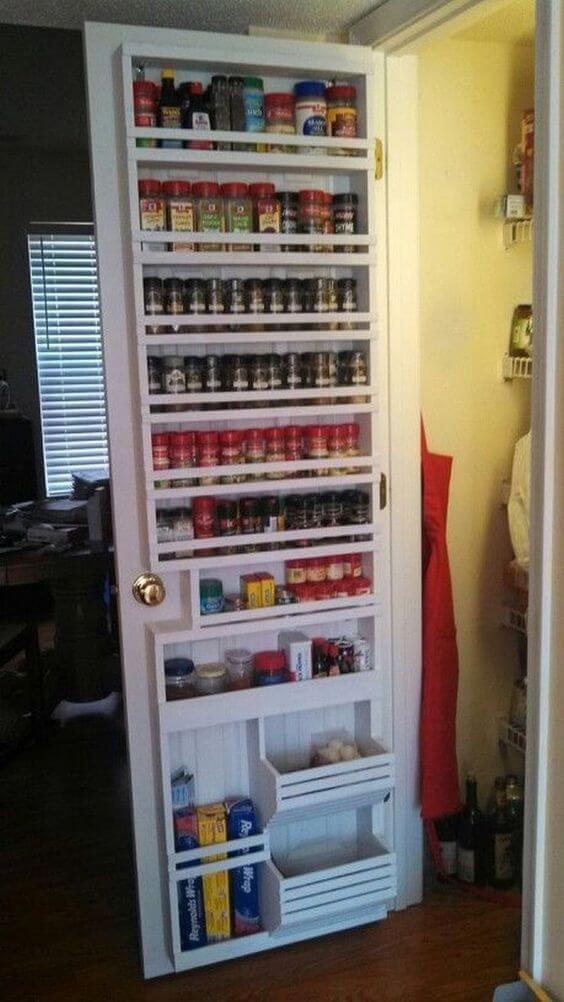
{"x":149,"y":589}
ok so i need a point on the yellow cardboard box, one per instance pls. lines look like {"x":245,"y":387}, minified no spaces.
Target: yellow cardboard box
{"x":212,"y":829}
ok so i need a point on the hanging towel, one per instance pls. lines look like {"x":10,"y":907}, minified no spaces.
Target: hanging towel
{"x":440,"y":794}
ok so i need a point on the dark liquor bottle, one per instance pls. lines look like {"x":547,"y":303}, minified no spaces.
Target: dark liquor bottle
{"x":515,"y":806}
{"x":169,"y":110}
{"x":502,"y":863}
{"x":470,"y":856}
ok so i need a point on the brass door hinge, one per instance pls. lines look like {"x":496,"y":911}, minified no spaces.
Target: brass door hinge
{"x":378,"y":159}
{"x":383,"y":491}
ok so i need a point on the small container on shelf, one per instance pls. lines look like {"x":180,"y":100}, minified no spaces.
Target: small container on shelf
{"x":211,"y":596}
{"x":179,"y":678}
{"x":238,"y":212}
{"x":210,"y":213}
{"x":342,"y":115}
{"x":266,"y":210}
{"x":279,"y":113}
{"x":311,"y":218}
{"x":270,"y":668}
{"x":239,"y":664}
{"x":311,"y":111}
{"x":180,"y":212}
{"x":210,"y":679}
{"x":253,"y":100}
{"x":151,"y":205}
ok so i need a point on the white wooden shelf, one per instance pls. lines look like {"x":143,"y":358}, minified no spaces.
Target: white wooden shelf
{"x":266,"y":320}
{"x":264,"y":138}
{"x":202,"y":864}
{"x":296,"y":486}
{"x":512,"y":736}
{"x":246,"y":414}
{"x":259,"y":470}
{"x":246,"y":396}
{"x":516,"y":368}
{"x":266,"y":539}
{"x":269,"y":336}
{"x":254,"y":259}
{"x":258,"y":557}
{"x":295,"y":613}
{"x":275,"y":239}
{"x":234,"y":160}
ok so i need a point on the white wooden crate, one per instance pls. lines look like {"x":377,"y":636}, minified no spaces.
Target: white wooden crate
{"x":306,"y":890}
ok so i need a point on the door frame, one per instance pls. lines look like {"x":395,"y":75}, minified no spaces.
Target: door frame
{"x":395,"y":27}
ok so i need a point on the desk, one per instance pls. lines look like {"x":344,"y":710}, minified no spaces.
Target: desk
{"x":76,"y":581}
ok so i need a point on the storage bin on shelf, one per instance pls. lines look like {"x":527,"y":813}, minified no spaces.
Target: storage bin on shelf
{"x":323,"y":881}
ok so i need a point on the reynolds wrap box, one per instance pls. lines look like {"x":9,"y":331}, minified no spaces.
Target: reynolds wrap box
{"x":212,"y":829}
{"x":190,"y":891}
{"x":241,"y":822}
{"x":297,"y":648}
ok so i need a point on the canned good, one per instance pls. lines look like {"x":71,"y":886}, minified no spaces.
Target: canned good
{"x":211,"y":596}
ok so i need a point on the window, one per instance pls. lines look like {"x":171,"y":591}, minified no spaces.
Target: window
{"x":68,"y":344}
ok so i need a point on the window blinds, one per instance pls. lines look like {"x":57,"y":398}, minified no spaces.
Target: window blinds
{"x":68,"y":342}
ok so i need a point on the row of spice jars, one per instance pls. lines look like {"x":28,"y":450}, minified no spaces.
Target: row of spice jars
{"x":237,"y":207}
{"x":197,"y":296}
{"x":317,"y":570}
{"x":234,"y":447}
{"x":238,"y":373}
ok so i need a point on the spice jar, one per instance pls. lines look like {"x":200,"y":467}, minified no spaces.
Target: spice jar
{"x":258,"y":374}
{"x":311,"y":111}
{"x":210,"y":679}
{"x":253,"y":102}
{"x":182,"y":453}
{"x":332,"y":508}
{"x":194,"y":298}
{"x":239,"y":375}
{"x":274,"y":371}
{"x":314,"y":511}
{"x":320,"y":376}
{"x":178,"y":678}
{"x":227,"y":515}
{"x":292,"y":370}
{"x":159,"y":449}
{"x":211,"y":376}
{"x":293,"y":444}
{"x":273,"y":297}
{"x":203,"y":514}
{"x":174,"y":378}
{"x":279,"y":113}
{"x":335,"y":567}
{"x":255,"y":449}
{"x":358,"y":373}
{"x":151,"y":205}
{"x":296,"y":571}
{"x":362,"y":586}
{"x":182,"y":524}
{"x":250,"y":517}
{"x":275,"y":451}
{"x":305,"y":592}
{"x":342,"y":116}
{"x":238,"y":212}
{"x":173,"y":296}
{"x":352,"y":565}
{"x":234,"y":290}
{"x":180,"y":214}
{"x":320,"y":295}
{"x":288,"y":202}
{"x":356,"y":507}
{"x":165,"y":532}
{"x":336,"y":443}
{"x":145,"y":109}
{"x":316,"y":570}
{"x":273,"y":518}
{"x":155,"y":373}
{"x":345,"y":218}
{"x":207,"y":444}
{"x":351,"y":432}
{"x":211,"y":596}
{"x":193,"y":373}
{"x":219,"y":107}
{"x":254,"y":295}
{"x":237,"y":104}
{"x":231,"y":454}
{"x":269,"y":667}
{"x":209,"y":211}
{"x":239,"y":664}
{"x":153,"y":300}
{"x":266,"y":211}
{"x":311,"y":215}
{"x":347,"y":299}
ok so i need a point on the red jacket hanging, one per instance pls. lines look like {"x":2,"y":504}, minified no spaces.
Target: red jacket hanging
{"x":439,"y":770}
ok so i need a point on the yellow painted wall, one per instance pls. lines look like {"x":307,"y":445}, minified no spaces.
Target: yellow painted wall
{"x":472,"y":95}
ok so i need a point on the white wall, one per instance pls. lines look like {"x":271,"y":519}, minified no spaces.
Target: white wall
{"x":472,"y":95}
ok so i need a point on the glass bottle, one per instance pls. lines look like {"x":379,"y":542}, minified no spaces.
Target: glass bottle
{"x":502,"y":863}
{"x":470,"y":854}
{"x":515,"y":807}
{"x":169,"y":110}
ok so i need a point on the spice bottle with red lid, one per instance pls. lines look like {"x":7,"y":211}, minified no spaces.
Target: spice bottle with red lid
{"x":145,"y":109}
{"x":270,"y":667}
{"x":266,"y":211}
{"x":231,"y":454}
{"x":293,"y":444}
{"x":151,"y":205}
{"x":255,"y":449}
{"x":159,"y":447}
{"x":204,"y":517}
{"x":275,"y":450}
{"x":207,"y":443}
{"x":182,"y":452}
{"x":279,"y":113}
{"x":311,"y":215}
{"x":238,"y":212}
{"x":180,"y":215}
{"x":342,"y":115}
{"x":209,"y":211}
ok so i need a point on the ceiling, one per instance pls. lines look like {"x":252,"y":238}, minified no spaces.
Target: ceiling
{"x":315,"y":16}
{"x":513,"y":23}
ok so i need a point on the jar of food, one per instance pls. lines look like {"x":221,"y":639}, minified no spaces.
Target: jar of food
{"x":211,"y":596}
{"x":182,"y":453}
{"x":253,"y":100}
{"x":266,"y":211}
{"x":145,"y":109}
{"x":316,"y":442}
{"x":237,"y":105}
{"x":210,"y":679}
{"x":305,"y":592}
{"x":255,"y":449}
{"x":178,"y":678}
{"x":283,"y":595}
{"x":214,"y":293}
{"x":332,"y":508}
{"x":151,"y":205}
{"x":194,"y":297}
{"x":279,"y":113}
{"x":275,"y":450}
{"x":204,"y":517}
{"x":352,"y":565}
{"x":311,"y":215}
{"x":227,"y":515}
{"x":239,"y":664}
{"x":296,"y":514}
{"x":296,"y":571}
{"x":314,"y":511}
{"x":231,"y":454}
{"x":193,"y":373}
{"x":270,"y":668}
{"x":316,"y":570}
{"x":362,"y":586}
{"x":254,"y":295}
{"x":320,"y":295}
{"x":273,"y":295}
{"x":273,"y":518}
{"x":345,"y":207}
{"x":289,"y":204}
{"x":173,"y":291}
{"x":293,"y":296}
{"x":356,"y":507}
{"x":239,"y":375}
{"x":209,"y":211}
{"x":258,"y":374}
{"x":211,"y":376}
{"x":207,"y":445}
{"x":347,"y":299}
{"x":358,"y":373}
{"x":293,"y":444}
{"x":336,"y":444}
{"x":320,"y":374}
{"x":174,"y":378}
{"x":351,"y":433}
{"x":180,"y":214}
{"x":323,"y":591}
{"x":238,"y":212}
{"x":153,"y":300}
{"x":165,"y":532}
{"x":274,"y":370}
{"x":342,"y":117}
{"x":155,"y":373}
{"x":292,"y":370}
{"x":161,"y":459}
{"x":250,"y":517}
{"x":235,"y":297}
{"x":310,"y":112}
{"x":335,"y":567}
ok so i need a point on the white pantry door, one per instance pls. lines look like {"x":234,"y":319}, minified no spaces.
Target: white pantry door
{"x":394,"y":558}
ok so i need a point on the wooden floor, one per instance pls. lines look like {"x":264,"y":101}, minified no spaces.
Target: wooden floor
{"x":68,"y":916}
